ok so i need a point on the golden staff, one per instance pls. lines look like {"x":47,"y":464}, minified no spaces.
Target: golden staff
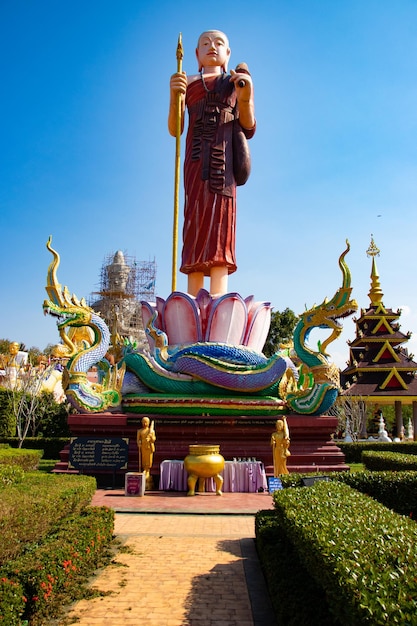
{"x":180,"y":55}
{"x":139,"y":442}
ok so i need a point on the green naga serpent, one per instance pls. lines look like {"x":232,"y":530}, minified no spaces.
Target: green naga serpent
{"x":72,"y":312}
{"x":203,"y":377}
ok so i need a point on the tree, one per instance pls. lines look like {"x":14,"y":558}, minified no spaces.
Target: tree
{"x":23,"y":386}
{"x":351,"y":414}
{"x":51,"y":417}
{"x":4,"y":346}
{"x":33,"y":354}
{"x":280,"y":331}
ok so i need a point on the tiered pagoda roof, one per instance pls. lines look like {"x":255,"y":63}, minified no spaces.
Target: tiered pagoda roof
{"x":380,"y":366}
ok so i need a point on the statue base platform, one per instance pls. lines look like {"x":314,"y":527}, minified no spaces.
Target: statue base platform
{"x":312,"y":447}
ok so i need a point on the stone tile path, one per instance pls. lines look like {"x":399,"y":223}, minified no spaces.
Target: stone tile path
{"x":189,"y":566}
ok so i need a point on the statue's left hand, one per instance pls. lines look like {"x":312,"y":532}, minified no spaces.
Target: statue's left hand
{"x":243,"y":85}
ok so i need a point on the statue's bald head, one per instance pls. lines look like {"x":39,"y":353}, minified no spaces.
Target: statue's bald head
{"x":214,"y":33}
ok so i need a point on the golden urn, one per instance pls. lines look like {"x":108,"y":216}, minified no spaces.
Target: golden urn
{"x":203,"y":461}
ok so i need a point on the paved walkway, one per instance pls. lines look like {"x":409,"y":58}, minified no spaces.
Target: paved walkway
{"x":190,"y":561}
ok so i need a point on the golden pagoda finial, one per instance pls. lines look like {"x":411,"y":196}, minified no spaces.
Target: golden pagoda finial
{"x":372,"y":250}
{"x":375,"y":294}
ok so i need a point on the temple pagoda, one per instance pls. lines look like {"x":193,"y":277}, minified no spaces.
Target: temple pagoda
{"x":380,"y":370}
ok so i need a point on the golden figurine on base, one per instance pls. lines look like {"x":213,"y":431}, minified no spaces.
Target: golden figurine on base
{"x":146,"y":447}
{"x":280,"y":442}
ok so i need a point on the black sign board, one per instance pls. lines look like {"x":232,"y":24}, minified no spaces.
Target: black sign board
{"x":103,"y":453}
{"x":308,"y":481}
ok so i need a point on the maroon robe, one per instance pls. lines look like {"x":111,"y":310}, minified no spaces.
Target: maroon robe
{"x":209,"y":230}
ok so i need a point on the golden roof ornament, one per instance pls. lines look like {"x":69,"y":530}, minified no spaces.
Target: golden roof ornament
{"x":375,"y":294}
{"x":372,"y":250}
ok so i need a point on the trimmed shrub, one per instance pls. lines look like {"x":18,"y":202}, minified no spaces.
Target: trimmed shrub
{"x":367,"y":569}
{"x":297,"y":599}
{"x":353,"y":451}
{"x":28,"y":460}
{"x":12,"y":602}
{"x":7,"y":418}
{"x":51,"y":446}
{"x":52,"y":571}
{"x":11,"y":474}
{"x":293,"y":479}
{"x":382,"y":461}
{"x":395,"y":490}
{"x":31,"y":509}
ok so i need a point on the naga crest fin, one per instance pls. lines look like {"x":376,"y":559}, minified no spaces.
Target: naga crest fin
{"x":60,"y":296}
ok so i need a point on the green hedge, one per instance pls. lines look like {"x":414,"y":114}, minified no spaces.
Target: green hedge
{"x":395,"y":490}
{"x":366,"y":569}
{"x":7,"y":418}
{"x":353,"y":451}
{"x":28,"y":460}
{"x":51,"y":572}
{"x":51,"y":446}
{"x":296,"y":598}
{"x":31,"y":508}
{"x":393,"y":461}
{"x":11,"y":474}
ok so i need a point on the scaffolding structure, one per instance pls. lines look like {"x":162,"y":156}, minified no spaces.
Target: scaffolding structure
{"x":141,"y":282}
{"x":118,"y":300}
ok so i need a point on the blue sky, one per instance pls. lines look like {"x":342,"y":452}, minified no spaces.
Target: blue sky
{"x":86,"y":156}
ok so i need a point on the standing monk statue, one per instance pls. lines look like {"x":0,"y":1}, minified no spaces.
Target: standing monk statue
{"x":146,"y":446}
{"x":280,"y":442}
{"x":221,"y":118}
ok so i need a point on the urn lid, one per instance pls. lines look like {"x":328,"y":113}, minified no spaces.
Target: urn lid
{"x":203,"y":448}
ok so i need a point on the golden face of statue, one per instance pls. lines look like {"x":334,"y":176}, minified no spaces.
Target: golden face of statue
{"x":14,"y":348}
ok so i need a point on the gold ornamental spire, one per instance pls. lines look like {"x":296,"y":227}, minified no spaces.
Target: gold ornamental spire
{"x":375,"y":294}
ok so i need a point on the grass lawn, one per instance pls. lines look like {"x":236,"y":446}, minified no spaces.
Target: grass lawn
{"x":356,"y":467}
{"x":47,"y":465}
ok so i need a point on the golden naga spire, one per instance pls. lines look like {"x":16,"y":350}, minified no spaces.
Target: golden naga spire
{"x":375,"y":294}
